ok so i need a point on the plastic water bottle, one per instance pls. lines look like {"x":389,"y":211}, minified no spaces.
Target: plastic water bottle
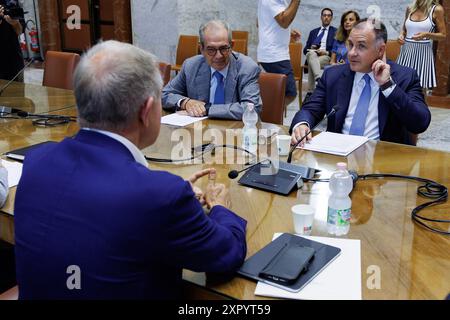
{"x":250,"y":133}
{"x":339,"y":202}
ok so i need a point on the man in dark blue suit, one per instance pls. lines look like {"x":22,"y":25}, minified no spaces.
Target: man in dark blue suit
{"x":378,"y":99}
{"x":93,"y":222}
{"x":318,"y":48}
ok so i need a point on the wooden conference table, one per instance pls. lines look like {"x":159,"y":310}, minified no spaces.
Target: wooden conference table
{"x":413,"y":262}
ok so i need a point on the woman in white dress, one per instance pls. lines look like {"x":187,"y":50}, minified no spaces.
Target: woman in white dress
{"x":424,"y":22}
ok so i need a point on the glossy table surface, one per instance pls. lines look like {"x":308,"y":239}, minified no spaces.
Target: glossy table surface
{"x":413,"y":262}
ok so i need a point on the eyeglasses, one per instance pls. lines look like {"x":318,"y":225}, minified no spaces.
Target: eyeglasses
{"x":327,"y":15}
{"x":223,"y":50}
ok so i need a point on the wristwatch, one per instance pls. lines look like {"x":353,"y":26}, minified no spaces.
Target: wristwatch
{"x":387,"y":85}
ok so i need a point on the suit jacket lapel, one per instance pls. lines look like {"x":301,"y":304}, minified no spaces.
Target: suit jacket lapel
{"x":230,"y":81}
{"x":344,"y":93}
{"x":202,"y":81}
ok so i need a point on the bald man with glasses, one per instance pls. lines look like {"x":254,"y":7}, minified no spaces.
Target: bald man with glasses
{"x":218,"y":83}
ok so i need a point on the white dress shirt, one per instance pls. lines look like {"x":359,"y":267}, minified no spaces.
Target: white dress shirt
{"x":137,"y":154}
{"x":371,"y":130}
{"x":323,"y":42}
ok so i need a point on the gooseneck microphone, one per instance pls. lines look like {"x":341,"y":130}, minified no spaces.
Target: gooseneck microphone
{"x":233,"y":174}
{"x":15,"y":77}
{"x":332,"y":112}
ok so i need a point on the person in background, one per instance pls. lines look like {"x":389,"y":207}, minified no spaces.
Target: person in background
{"x":11,"y":59}
{"x":3,"y":184}
{"x":339,"y":51}
{"x":92,"y":221}
{"x":218,"y":83}
{"x":318,"y":49}
{"x":424,"y":22}
{"x":274,"y":34}
{"x":376,"y":99}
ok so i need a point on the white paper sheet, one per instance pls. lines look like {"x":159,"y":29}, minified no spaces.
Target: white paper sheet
{"x":341,"y":279}
{"x":335,"y":143}
{"x":180,"y":119}
{"x":14,"y":172}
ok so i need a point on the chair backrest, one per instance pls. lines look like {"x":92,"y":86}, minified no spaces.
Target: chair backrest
{"x":11,"y":294}
{"x":272,"y":88}
{"x":187,"y":47}
{"x":59,"y":68}
{"x":392,"y":49}
{"x":240,"y":45}
{"x":239,"y":34}
{"x":165,"y":69}
{"x":295,"y":53}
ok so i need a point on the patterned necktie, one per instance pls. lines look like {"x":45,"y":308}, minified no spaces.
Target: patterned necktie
{"x":219,"y":95}
{"x":319,"y":37}
{"x":362,"y":108}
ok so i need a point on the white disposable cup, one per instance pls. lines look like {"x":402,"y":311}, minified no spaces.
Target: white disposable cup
{"x":284,"y":144}
{"x":303,"y":216}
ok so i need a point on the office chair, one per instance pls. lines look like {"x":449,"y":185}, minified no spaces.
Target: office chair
{"x":272,"y":88}
{"x":59,"y":68}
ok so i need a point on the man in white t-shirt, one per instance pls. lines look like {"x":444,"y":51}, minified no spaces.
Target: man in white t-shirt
{"x":274,"y":19}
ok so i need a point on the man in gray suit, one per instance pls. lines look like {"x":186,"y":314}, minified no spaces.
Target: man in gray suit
{"x":218,"y":83}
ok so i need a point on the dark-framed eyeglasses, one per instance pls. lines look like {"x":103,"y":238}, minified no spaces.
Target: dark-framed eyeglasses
{"x":210,"y":51}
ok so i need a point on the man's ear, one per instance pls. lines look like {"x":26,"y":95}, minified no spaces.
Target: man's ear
{"x":146,"y":108}
{"x":382,"y":51}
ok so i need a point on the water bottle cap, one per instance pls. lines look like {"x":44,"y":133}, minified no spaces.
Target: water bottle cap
{"x":341,"y":165}
{"x":250,"y":106}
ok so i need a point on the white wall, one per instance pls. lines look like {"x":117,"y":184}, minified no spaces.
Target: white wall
{"x":158,"y":23}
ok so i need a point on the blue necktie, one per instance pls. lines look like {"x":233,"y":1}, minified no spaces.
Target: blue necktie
{"x":319,"y":37}
{"x":362,"y":108}
{"x":219,"y":95}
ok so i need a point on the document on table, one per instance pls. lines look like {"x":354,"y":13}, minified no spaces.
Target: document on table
{"x":340,"y":280}
{"x":180,"y":119}
{"x":14,"y":172}
{"x":335,"y":143}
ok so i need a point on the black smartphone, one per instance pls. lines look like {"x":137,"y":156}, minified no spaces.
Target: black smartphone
{"x":288,"y":264}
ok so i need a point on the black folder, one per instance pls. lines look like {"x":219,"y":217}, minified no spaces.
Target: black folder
{"x":19,"y":154}
{"x":255,"y":266}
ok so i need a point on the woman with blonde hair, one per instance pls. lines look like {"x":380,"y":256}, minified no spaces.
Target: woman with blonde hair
{"x":424,"y":22}
{"x":339,"y":51}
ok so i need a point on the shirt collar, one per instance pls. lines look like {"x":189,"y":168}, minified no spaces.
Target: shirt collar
{"x":224,"y":71}
{"x":135,"y":152}
{"x":359,"y":76}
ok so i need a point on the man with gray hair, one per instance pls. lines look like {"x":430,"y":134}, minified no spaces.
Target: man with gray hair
{"x":92,"y":221}
{"x":374,"y":98}
{"x":218,"y":83}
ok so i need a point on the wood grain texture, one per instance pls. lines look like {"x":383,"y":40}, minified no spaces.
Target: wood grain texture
{"x":413,"y":262}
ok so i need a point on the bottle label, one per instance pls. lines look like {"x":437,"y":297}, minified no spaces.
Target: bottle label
{"x":339,"y":217}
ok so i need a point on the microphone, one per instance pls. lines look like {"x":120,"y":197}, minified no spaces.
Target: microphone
{"x":233,"y":174}
{"x":15,"y":77}
{"x":332,"y":112}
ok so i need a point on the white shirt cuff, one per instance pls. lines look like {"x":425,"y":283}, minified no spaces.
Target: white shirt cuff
{"x":389,"y":90}
{"x":298,"y":124}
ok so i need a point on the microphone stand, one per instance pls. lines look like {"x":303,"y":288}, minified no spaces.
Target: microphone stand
{"x":15,"y":77}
